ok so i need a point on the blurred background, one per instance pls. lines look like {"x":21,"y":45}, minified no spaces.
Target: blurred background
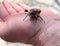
{"x":53,"y":5}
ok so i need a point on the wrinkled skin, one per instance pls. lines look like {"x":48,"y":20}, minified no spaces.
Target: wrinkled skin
{"x":42,"y":33}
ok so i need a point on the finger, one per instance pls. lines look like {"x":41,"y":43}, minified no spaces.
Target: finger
{"x":23,"y":6}
{"x":3,"y":12}
{"x":17,"y":8}
{"x":9,"y":8}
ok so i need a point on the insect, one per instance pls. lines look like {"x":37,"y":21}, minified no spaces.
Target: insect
{"x":34,"y":14}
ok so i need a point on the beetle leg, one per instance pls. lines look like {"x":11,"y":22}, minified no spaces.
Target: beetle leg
{"x":25,"y":17}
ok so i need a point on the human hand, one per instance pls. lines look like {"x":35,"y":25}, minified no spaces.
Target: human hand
{"x":14,"y":29}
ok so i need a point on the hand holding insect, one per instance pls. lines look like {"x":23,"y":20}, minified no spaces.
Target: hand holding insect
{"x":14,"y":29}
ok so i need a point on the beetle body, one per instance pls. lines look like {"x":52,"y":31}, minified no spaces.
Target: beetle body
{"x":34,"y":14}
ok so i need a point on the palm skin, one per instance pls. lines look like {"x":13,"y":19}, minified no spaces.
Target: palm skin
{"x":42,"y":33}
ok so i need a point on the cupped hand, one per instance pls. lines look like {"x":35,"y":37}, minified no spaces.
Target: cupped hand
{"x":14,"y":29}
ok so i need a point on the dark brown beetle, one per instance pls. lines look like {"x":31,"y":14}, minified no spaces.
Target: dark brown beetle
{"x":34,"y":14}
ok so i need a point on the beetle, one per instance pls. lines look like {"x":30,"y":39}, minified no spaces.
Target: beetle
{"x":34,"y":14}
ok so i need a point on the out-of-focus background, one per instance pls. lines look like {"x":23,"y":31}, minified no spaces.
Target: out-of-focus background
{"x":54,"y":5}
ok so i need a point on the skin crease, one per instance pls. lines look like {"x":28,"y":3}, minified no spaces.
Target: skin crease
{"x":42,"y":33}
